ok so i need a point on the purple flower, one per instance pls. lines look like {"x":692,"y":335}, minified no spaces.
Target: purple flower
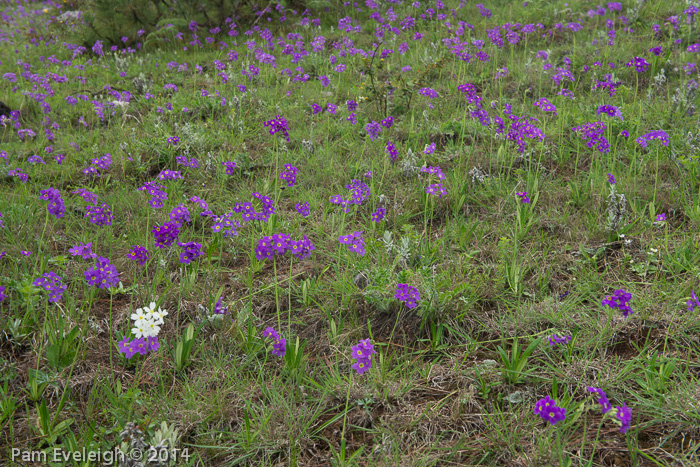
{"x":619,"y":299}
{"x":362,"y":354}
{"x":83,"y":250}
{"x":157,"y":192}
{"x":88,"y":196}
{"x":166,"y":234}
{"x":610,"y":110}
{"x":693,"y":302}
{"x":248,"y":213}
{"x":174,"y":140}
{"x":639,"y":64}
{"x":593,"y":133}
{"x":656,"y":134}
{"x":170,"y":175}
{"x":660,"y":218}
{"x":555,"y":340}
{"x":219,"y":309}
{"x":99,"y":215}
{"x":391,"y":151}
{"x":180,"y":214}
{"x":523,"y":196}
{"x":193,"y":250}
{"x":407,"y":294}
{"x":25,"y":252}
{"x":51,"y":282}
{"x":436,"y":189}
{"x":602,"y":398}
{"x":387,"y":122}
{"x":547,"y":409}
{"x":373,"y":129}
{"x":102,"y":275}
{"x":3,"y":295}
{"x":138,"y":253}
{"x":56,"y":205}
{"x":352,"y":105}
{"x":229,"y":167}
{"x":225,"y":224}
{"x":302,"y":209}
{"x":354,"y":241}
{"x":279,"y":343}
{"x":289,"y":174}
{"x":19,"y":174}
{"x":544,"y":105}
{"x":611,"y":179}
{"x":36,"y":160}
{"x":278,"y":124}
{"x":379,"y":214}
{"x":429,"y":149}
{"x":624,"y":415}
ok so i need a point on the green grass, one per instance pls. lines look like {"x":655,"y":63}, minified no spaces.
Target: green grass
{"x":456,"y":379}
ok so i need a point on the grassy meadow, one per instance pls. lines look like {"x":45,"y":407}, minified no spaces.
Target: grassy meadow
{"x":383,"y":233}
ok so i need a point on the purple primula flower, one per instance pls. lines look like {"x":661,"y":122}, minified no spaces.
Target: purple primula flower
{"x":391,"y":151}
{"x":170,"y":175}
{"x":230,"y":166}
{"x":379,"y":214}
{"x":84,"y":250}
{"x":545,"y":106}
{"x":3,"y":295}
{"x":373,"y":129}
{"x":354,"y":241}
{"x":523,"y":196}
{"x":555,"y":340}
{"x":436,"y":189}
{"x":362,"y":354}
{"x":180,"y":214}
{"x":248,"y":213}
{"x":279,"y":343}
{"x":408,"y":295}
{"x":429,"y":148}
{"x":602,"y":399}
{"x":193,"y":250}
{"x":611,"y":179}
{"x":611,"y":110}
{"x":302,"y":209}
{"x":593,"y":133}
{"x":278,"y":125}
{"x":51,"y":282}
{"x":639,"y":64}
{"x":624,"y":415}
{"x":56,"y":205}
{"x":99,"y":215}
{"x":289,"y":174}
{"x":693,"y":302}
{"x":219,"y":309}
{"x":138,"y":253}
{"x":103,"y":274}
{"x":547,"y":409}
{"x":166,"y":234}
{"x":619,"y":299}
{"x":88,"y":196}
{"x":656,"y":134}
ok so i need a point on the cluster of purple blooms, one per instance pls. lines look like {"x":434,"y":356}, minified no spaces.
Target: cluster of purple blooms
{"x":278,"y":124}
{"x":279,"y":343}
{"x":379,"y":214}
{"x":56,"y":205}
{"x":619,"y":299}
{"x":180,"y":214}
{"x":611,"y":110}
{"x":248,"y":213}
{"x":362,"y":354}
{"x":103,"y":274}
{"x":693,"y":302}
{"x":157,"y":192}
{"x":289,"y":174}
{"x":138,"y":253}
{"x":656,"y":134}
{"x":226,"y":224}
{"x":639,"y":64}
{"x":523,"y":196}
{"x":166,"y":234}
{"x":140,"y":346}
{"x":359,"y":192}
{"x":230,"y":166}
{"x":83,"y":250}
{"x":99,"y":215}
{"x":303,"y":209}
{"x":279,"y":244}
{"x":622,"y":413}
{"x":593,"y":134}
{"x":392,"y":151}
{"x":193,"y":250}
{"x":19,"y":174}
{"x":51,"y":282}
{"x":170,"y":175}
{"x":3,"y":295}
{"x":192,"y":163}
{"x":547,"y":409}
{"x":354,"y":241}
{"x":555,"y":340}
{"x":408,"y":295}
{"x":88,"y":196}
{"x":545,"y":106}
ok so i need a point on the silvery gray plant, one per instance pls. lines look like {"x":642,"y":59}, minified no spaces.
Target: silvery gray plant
{"x":617,"y":207}
{"x":159,"y":451}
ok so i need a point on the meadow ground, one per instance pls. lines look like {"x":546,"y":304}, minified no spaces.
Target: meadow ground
{"x":372,"y":234}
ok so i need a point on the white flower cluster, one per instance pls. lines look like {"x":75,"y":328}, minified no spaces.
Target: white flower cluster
{"x":147,"y":321}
